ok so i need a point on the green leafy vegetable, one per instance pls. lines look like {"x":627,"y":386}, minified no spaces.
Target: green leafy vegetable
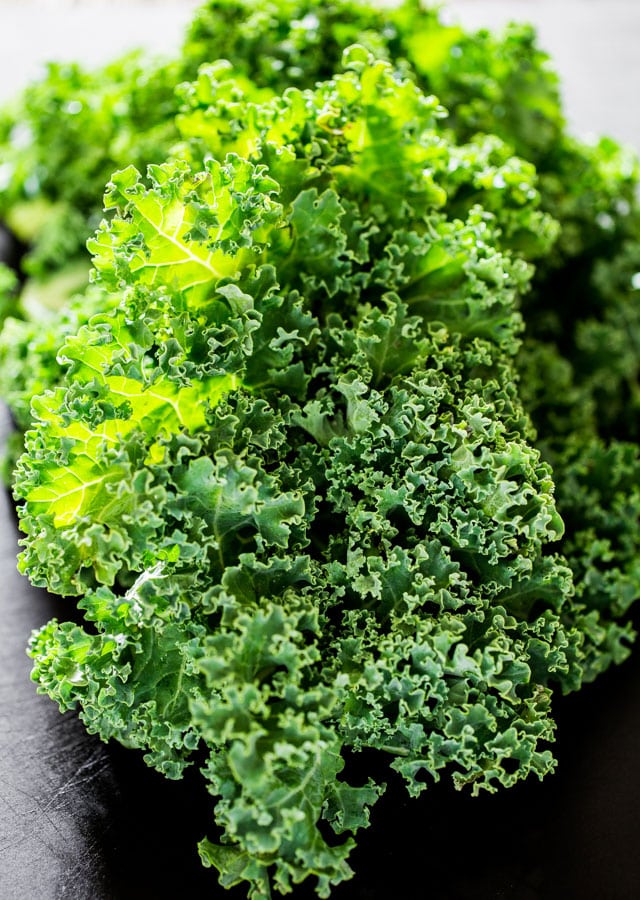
{"x":298,"y":447}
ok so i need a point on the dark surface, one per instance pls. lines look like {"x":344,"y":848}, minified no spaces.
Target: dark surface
{"x":11,"y":249}
{"x":82,"y":820}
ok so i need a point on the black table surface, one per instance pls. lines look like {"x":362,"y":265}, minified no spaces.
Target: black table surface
{"x":85,"y":820}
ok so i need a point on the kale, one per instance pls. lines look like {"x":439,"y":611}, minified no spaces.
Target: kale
{"x":337,"y":452}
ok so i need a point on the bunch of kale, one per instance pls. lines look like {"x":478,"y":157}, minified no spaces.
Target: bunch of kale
{"x":295,"y":449}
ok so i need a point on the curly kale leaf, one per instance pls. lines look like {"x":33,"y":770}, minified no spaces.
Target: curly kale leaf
{"x":295,"y":493}
{"x":286,"y":468}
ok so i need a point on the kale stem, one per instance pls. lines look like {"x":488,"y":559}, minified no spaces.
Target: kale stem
{"x":397,"y":751}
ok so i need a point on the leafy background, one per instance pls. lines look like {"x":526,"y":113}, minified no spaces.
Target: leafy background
{"x":593,"y":44}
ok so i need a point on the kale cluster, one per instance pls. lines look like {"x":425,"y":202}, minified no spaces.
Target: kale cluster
{"x":337,"y":451}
